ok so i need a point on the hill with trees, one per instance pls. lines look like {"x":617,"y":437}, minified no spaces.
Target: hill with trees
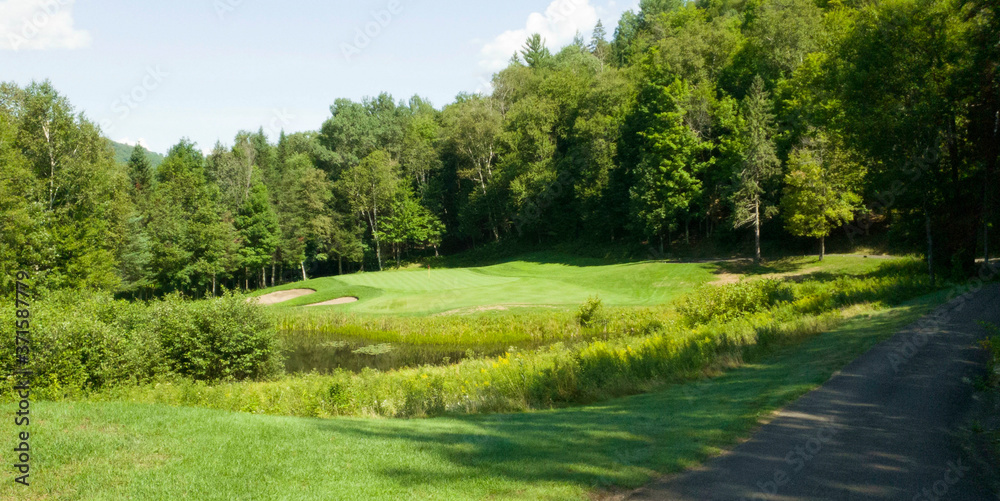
{"x":714,"y":122}
{"x":124,"y":151}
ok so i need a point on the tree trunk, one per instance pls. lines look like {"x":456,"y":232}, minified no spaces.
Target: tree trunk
{"x":756,"y":234}
{"x":340,"y":265}
{"x":378,"y":253}
{"x":213,"y":284}
{"x":263,"y":277}
{"x":687,"y":232}
{"x":273,"y":267}
{"x":822,"y":248}
{"x":246,"y":279}
{"x":302,"y":265}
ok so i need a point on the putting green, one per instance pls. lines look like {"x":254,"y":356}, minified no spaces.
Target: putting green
{"x":514,"y":284}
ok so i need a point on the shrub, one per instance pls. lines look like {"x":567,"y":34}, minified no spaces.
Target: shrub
{"x":216,"y":339}
{"x":589,"y":312}
{"x":725,"y":302}
{"x":88,"y":341}
{"x":640,"y":348}
{"x":83,"y":341}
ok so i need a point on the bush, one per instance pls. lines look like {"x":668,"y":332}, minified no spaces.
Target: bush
{"x":216,"y":339}
{"x":589,"y":312}
{"x":725,"y":302}
{"x":88,"y":341}
{"x":83,"y":341}
{"x":640,"y":348}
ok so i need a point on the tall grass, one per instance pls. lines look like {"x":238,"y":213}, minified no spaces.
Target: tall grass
{"x":642,"y":348}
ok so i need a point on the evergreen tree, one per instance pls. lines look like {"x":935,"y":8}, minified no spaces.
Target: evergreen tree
{"x":140,"y":171}
{"x":257,"y":227}
{"x":759,"y":163}
{"x":535,"y":53}
{"x":668,"y":184}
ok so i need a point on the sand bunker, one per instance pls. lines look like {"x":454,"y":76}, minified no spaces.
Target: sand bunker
{"x":495,"y":307}
{"x":281,"y":296}
{"x":334,"y":302}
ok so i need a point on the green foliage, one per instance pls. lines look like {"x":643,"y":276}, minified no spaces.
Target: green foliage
{"x":668,"y":178}
{"x":535,"y":53}
{"x":668,"y":126}
{"x":86,"y":342}
{"x":124,"y":153}
{"x":758,"y":162}
{"x":724,"y":302}
{"x":589,"y":312}
{"x":257,"y":226}
{"x":371,"y":187}
{"x":820,"y":188}
{"x":140,"y":170}
{"x":73,"y":190}
{"x":225,"y":338}
{"x":409,"y":224}
{"x":992,"y":347}
{"x":639,"y":349}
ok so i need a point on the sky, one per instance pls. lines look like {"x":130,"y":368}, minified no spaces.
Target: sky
{"x":154,"y":72}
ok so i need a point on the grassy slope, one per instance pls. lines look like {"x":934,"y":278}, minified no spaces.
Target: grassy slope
{"x":117,"y":451}
{"x":538,"y":280}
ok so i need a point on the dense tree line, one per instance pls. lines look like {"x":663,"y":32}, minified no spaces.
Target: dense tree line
{"x":715,"y":120}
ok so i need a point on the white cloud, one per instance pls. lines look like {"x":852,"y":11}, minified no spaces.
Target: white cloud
{"x":39,"y":25}
{"x":558,"y":25}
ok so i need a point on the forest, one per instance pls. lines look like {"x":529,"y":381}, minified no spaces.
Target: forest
{"x":713,"y":123}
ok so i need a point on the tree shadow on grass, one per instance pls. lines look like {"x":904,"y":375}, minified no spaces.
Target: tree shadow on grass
{"x":627,"y":441}
{"x":747,"y":267}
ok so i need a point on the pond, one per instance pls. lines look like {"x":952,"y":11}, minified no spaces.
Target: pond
{"x":324,"y":353}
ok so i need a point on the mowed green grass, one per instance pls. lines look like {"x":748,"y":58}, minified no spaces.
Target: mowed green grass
{"x":540,"y":281}
{"x":520,"y":283}
{"x":111,"y":451}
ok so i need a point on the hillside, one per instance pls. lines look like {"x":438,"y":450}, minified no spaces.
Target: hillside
{"x":124,"y":151}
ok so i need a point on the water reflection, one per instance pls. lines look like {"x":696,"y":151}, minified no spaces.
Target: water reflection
{"x":312,"y":351}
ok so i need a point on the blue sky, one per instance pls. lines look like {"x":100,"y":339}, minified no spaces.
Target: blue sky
{"x":205,"y":69}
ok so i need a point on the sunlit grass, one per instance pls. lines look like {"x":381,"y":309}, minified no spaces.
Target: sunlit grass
{"x":105,"y":451}
{"x":514,"y":284}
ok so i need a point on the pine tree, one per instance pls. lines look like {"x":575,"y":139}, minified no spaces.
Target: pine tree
{"x":140,"y":171}
{"x":535,"y":52}
{"x":759,"y":163}
{"x":257,"y":226}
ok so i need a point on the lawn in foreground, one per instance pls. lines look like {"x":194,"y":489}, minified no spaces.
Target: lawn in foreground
{"x":120,"y":451}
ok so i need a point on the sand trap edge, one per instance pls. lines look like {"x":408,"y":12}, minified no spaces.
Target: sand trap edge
{"x":334,"y":302}
{"x":281,"y":296}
